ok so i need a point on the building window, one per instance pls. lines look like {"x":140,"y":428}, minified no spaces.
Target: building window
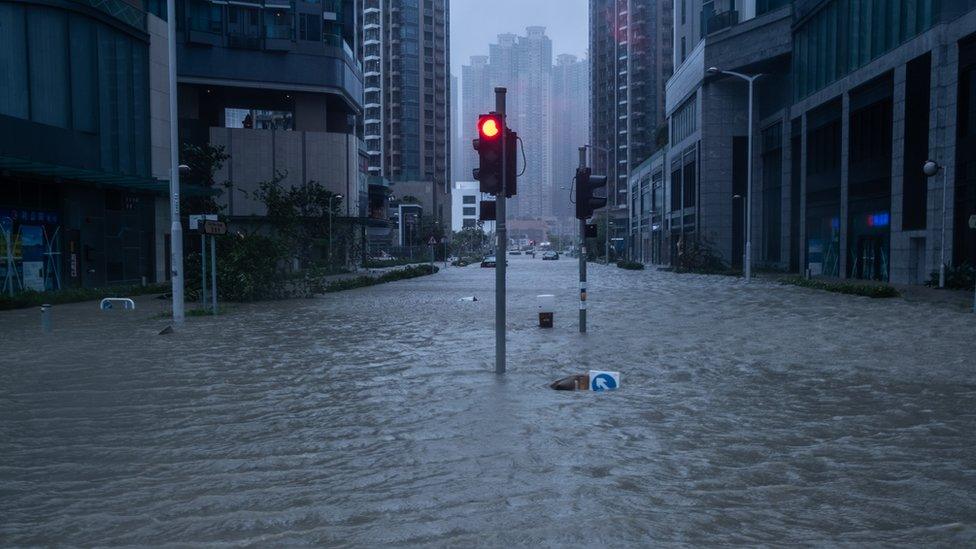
{"x":470,"y":211}
{"x":469,"y":199}
{"x":847,"y":34}
{"x":468,"y":223}
{"x":684,"y":121}
{"x":772,"y":178}
{"x":689,"y":181}
{"x":310,"y":27}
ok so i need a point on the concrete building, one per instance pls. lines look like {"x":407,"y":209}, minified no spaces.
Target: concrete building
{"x":280,"y":88}
{"x":852,"y":100}
{"x":406,"y":53}
{"x":466,"y":203}
{"x":84,"y":150}
{"x":570,"y":127}
{"x":630,"y":61}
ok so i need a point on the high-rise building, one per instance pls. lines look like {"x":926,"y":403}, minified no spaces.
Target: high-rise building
{"x":630,"y":61}
{"x":476,"y":98}
{"x":407,"y":99}
{"x":522,"y":65}
{"x":570,"y":129}
{"x":533,"y":121}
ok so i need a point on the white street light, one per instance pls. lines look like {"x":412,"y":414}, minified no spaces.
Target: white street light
{"x":176,"y":227}
{"x":751,"y":79}
{"x":930,"y":168}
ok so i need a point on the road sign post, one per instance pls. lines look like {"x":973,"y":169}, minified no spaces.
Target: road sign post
{"x":209,"y":226}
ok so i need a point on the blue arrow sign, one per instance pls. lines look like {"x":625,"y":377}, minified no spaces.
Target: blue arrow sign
{"x":603,"y":382}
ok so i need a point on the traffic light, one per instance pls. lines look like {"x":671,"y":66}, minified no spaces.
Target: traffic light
{"x":489,"y":147}
{"x":586,"y":184}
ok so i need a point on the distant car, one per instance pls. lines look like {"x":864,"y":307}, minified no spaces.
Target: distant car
{"x":550,"y":255}
{"x":488,"y":262}
{"x":514,"y":252}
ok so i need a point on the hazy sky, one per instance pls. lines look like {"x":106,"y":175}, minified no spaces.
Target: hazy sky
{"x":476,"y":23}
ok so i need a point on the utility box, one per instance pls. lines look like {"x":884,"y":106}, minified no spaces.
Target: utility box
{"x":547,"y":304}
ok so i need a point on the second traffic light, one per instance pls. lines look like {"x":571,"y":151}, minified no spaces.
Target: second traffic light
{"x":489,"y":147}
{"x":586,"y":199}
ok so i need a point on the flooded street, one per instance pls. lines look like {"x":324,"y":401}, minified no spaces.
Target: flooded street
{"x":747,"y":414}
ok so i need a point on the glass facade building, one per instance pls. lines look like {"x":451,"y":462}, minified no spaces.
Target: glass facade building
{"x":77,"y":198}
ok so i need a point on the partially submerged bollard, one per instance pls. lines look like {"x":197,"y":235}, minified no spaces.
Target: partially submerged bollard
{"x":579,"y":382}
{"x":546,"y":306}
{"x":46,"y":318}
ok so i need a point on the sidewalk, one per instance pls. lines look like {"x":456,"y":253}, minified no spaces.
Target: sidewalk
{"x":959,"y":300}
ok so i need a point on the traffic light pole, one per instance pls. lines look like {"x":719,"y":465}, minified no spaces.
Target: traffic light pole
{"x":501,"y":248}
{"x":582,"y":256}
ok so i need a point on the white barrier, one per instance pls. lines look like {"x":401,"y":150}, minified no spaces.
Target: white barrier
{"x":106,"y":303}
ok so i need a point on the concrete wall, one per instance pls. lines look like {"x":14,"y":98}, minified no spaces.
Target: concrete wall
{"x":297,"y":156}
{"x":159,"y":132}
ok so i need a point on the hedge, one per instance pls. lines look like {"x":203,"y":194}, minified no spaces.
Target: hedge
{"x":850,"y":288}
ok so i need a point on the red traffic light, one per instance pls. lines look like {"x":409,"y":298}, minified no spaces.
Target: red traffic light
{"x":489,"y":127}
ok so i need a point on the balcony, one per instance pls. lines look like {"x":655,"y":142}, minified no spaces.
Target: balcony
{"x":718,"y":15}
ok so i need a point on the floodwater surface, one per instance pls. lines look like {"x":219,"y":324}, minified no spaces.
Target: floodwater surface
{"x":747,"y":414}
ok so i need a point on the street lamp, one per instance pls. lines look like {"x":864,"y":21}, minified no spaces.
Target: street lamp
{"x":331,"y":198}
{"x":930,"y":168}
{"x":176,"y":226}
{"x":751,"y":79}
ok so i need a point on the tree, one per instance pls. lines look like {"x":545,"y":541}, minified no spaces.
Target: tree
{"x":469,"y":240}
{"x":303,"y":216}
{"x":204,"y":162}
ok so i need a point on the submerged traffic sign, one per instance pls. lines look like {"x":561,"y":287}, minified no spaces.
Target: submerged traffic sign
{"x":604,"y":381}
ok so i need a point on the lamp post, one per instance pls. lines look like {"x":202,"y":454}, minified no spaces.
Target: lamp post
{"x":930,"y":168}
{"x":751,"y":79}
{"x":176,"y":226}
{"x":339,"y":196}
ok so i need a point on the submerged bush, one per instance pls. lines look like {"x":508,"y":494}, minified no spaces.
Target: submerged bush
{"x":850,"y":288}
{"x":630,"y":265}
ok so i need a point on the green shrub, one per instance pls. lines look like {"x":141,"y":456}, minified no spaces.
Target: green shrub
{"x":364,"y":281}
{"x":958,"y":277}
{"x":850,"y":288}
{"x":630,"y":265}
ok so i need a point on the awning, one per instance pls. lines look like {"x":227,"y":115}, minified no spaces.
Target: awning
{"x":98,"y":177}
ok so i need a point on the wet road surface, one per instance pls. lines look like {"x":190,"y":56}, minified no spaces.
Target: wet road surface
{"x":757,"y":414}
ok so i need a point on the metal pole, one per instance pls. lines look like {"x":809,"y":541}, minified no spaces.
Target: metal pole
{"x":176,"y":228}
{"x":213,"y":272}
{"x":501,"y":231}
{"x":582,"y":257}
{"x":942,"y":246}
{"x":203,"y":271}
{"x":749,"y":192}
